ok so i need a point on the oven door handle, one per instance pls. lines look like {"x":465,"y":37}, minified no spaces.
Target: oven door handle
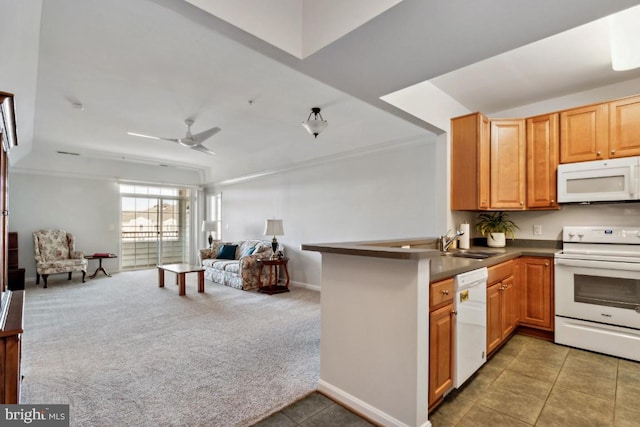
{"x":609,"y":265}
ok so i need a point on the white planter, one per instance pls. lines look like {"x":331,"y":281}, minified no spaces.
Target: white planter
{"x":496,"y":240}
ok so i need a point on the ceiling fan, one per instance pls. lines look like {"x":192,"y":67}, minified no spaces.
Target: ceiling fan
{"x":189,"y":140}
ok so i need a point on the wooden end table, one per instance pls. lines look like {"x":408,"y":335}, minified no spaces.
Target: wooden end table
{"x":100,"y":257}
{"x":181,"y":271}
{"x":273,"y":287}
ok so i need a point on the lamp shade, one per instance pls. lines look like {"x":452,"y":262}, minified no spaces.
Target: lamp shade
{"x":273,"y":227}
{"x":209,"y":225}
{"x":316,"y":124}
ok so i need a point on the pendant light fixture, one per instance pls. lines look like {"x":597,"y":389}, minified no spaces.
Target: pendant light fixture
{"x":316,"y":124}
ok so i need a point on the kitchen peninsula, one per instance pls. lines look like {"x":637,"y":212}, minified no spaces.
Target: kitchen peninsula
{"x":374,"y":344}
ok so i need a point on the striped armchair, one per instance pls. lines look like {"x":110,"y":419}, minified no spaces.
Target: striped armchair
{"x":55,"y":253}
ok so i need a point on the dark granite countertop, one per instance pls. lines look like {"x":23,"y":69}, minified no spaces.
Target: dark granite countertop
{"x":441,"y":267}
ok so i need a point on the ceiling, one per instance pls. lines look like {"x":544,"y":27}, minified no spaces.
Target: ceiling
{"x":145,"y":66}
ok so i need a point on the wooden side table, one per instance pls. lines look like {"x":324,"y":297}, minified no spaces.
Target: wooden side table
{"x":100,"y":257}
{"x":273,"y":287}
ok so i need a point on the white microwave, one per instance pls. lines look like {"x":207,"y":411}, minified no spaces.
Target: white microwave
{"x":599,"y":181}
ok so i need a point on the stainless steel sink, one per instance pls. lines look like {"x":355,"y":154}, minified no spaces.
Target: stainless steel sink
{"x":464,"y":253}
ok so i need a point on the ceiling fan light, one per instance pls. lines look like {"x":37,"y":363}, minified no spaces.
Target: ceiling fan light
{"x":315,"y":125}
{"x":624,"y":36}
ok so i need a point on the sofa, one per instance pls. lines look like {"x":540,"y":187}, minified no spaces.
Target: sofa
{"x":236,"y":267}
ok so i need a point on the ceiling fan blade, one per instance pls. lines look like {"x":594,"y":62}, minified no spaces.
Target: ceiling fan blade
{"x":202,"y":136}
{"x":142,"y":136}
{"x":203,"y":150}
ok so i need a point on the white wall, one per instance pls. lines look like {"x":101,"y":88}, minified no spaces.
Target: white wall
{"x":382,"y":195}
{"x":87,"y":208}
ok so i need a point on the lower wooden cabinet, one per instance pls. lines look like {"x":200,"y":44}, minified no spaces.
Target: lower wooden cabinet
{"x":537,"y":309}
{"x":441,"y":336}
{"x":503,"y":308}
{"x":441,"y":327}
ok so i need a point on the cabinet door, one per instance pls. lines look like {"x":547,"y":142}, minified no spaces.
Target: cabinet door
{"x":584,"y":133}
{"x":510,"y":309}
{"x":537,"y":292}
{"x":624,"y":127}
{"x":508,"y":162}
{"x":542,"y":161}
{"x":470,"y":162}
{"x":494,"y":316}
{"x":484,"y":163}
{"x":440,"y":352}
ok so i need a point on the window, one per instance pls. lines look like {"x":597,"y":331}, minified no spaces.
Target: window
{"x":154,"y":225}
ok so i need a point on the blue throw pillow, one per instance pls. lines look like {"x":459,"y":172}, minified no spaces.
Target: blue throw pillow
{"x":227,"y":252}
{"x":249,"y":251}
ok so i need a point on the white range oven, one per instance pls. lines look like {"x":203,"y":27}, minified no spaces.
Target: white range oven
{"x":597,"y":290}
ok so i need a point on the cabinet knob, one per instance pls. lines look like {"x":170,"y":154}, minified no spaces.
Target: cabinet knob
{"x":613,"y":152}
{"x":546,"y":264}
{"x":598,"y":153}
{"x":445,"y":292}
{"x":521,"y":203}
{"x":454,"y":312}
{"x":553,"y":202}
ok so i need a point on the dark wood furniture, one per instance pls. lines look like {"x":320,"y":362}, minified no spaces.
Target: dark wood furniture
{"x":181,"y":271}
{"x":100,"y":257}
{"x":11,"y":348}
{"x":11,"y":302}
{"x":15,"y":274}
{"x":272,"y":287}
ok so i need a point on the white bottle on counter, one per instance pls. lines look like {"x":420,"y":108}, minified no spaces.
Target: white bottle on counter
{"x":463,"y":241}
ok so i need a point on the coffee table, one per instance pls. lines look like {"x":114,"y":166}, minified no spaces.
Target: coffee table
{"x":181,"y":271}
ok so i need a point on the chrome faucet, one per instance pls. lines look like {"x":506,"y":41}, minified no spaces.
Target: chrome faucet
{"x":446,"y":241}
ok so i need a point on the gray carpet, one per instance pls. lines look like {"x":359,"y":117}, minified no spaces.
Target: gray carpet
{"x":123,"y":352}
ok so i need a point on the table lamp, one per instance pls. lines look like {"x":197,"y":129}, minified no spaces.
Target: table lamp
{"x":273,"y":227}
{"x":210,"y":227}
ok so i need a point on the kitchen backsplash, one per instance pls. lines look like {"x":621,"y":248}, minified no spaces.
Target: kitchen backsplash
{"x":551,"y":222}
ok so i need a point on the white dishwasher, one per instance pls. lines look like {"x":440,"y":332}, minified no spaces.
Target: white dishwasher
{"x":470,"y":305}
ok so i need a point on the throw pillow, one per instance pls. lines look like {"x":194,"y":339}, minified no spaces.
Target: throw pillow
{"x":249,"y":251}
{"x":227,"y":252}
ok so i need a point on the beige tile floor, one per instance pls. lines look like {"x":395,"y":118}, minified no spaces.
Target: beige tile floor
{"x":535,"y":382}
{"x":528,"y":382}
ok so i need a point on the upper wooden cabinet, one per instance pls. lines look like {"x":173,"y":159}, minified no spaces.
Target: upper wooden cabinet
{"x":470,"y":151}
{"x":584,"y":133}
{"x":488,"y":163}
{"x":542,"y":161}
{"x":624,"y":127}
{"x":507,"y":165}
{"x":602,"y":131}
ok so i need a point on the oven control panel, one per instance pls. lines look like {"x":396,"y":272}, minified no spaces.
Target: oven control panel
{"x":601,"y":234}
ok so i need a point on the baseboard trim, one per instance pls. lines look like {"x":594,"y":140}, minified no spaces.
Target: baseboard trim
{"x":305,"y":285}
{"x":360,"y":407}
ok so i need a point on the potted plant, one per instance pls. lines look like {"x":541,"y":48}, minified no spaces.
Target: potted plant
{"x":498,"y":226}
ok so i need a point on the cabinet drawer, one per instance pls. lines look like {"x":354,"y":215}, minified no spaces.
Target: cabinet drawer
{"x":500,"y":272}
{"x":440,"y":292}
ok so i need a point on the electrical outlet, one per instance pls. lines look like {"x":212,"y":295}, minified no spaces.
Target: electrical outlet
{"x":537,"y":230}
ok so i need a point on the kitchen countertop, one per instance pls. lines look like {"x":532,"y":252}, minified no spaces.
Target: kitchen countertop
{"x":441,"y":267}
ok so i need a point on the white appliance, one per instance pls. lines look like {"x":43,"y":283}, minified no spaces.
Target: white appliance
{"x":597,"y":290}
{"x":470,"y":306}
{"x":599,"y":181}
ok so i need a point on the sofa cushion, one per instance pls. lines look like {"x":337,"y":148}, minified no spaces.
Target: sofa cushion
{"x":248,"y":251}
{"x":227,"y":252}
{"x":232,"y":267}
{"x":223,"y":265}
